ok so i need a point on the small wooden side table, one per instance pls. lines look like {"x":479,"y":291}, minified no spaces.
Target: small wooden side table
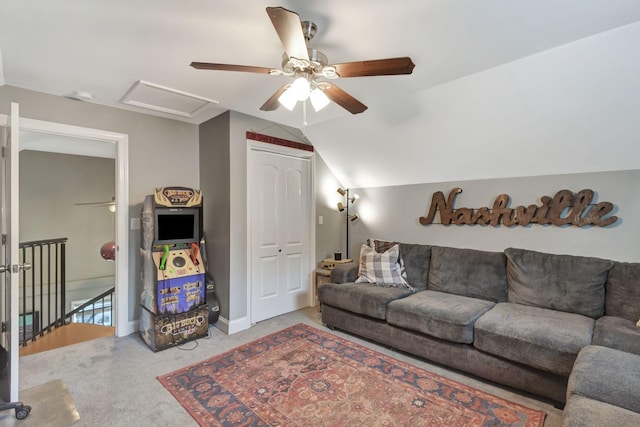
{"x":321,"y":276}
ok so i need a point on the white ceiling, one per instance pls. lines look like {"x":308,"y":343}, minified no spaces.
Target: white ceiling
{"x":105,"y":47}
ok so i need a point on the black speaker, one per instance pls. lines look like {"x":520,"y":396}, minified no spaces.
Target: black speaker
{"x":213,"y":306}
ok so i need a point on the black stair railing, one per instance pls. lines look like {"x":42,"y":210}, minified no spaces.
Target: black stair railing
{"x":43,"y":292}
{"x":97,"y":310}
{"x":43,"y":287}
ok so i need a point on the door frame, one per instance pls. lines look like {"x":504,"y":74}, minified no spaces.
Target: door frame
{"x":289,"y":152}
{"x":122,"y":324}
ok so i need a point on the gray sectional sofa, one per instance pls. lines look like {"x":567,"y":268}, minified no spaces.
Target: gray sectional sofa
{"x":517,"y":317}
{"x":603,"y":389}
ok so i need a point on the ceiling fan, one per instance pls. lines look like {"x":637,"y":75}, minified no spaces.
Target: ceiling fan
{"x":111,"y":204}
{"x":309,"y":66}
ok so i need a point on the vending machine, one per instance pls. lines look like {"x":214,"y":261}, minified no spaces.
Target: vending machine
{"x":173,"y":309}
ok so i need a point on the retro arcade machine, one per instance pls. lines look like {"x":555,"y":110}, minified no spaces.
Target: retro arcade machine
{"x":172,"y":309}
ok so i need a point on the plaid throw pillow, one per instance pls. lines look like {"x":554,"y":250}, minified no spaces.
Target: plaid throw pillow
{"x":382,"y":269}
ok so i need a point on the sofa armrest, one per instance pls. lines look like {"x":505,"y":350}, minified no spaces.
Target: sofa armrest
{"x":608,"y":375}
{"x":344,"y":273}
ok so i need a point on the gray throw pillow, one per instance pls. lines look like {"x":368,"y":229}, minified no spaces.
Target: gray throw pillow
{"x":569,"y":283}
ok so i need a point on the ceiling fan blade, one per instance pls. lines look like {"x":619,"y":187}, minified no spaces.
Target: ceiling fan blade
{"x":344,"y":100}
{"x":230,"y":67}
{"x":273,"y":103}
{"x":95,"y":203}
{"x":289,"y":29}
{"x":376,"y":67}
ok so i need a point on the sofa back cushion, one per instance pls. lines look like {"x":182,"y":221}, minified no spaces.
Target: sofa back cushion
{"x":623,"y":291}
{"x":569,"y":283}
{"x":414,"y":257}
{"x":468,"y":272}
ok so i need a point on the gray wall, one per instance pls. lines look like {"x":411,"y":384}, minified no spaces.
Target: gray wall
{"x":168,"y":152}
{"x":392,"y":213}
{"x":223,"y":165}
{"x":329,"y":235}
{"x":215,"y":187}
{"x":161,"y":152}
{"x":49,"y":191}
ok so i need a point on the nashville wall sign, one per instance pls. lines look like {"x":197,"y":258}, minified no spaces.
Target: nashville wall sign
{"x":564,"y":208}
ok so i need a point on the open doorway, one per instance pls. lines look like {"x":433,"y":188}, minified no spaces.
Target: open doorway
{"x":67,"y":197}
{"x":93,"y":139}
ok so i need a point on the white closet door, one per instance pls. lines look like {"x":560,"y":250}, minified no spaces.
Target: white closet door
{"x":280,"y":228}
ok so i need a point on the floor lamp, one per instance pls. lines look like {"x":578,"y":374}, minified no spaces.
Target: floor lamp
{"x":345,"y":206}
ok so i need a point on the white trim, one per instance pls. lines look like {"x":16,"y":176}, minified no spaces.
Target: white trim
{"x":233,"y":326}
{"x":291,"y":152}
{"x":238,"y":325}
{"x":139,"y":87}
{"x":122,"y":324}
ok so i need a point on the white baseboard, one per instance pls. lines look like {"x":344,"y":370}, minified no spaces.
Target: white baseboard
{"x":232,"y":326}
{"x":132,"y":327}
{"x":226,"y":326}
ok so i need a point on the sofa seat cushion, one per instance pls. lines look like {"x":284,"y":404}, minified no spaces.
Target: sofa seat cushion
{"x":570,"y":283}
{"x":362,"y":298}
{"x":441,"y":315}
{"x":608,"y":375}
{"x":545,"y":339}
{"x":581,"y":411}
{"x":616,"y":332}
{"x":468,"y":272}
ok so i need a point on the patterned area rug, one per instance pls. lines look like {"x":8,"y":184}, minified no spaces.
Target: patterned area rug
{"x":302,"y":376}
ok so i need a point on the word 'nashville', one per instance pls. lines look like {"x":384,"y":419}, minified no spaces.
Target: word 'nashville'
{"x":564,"y":208}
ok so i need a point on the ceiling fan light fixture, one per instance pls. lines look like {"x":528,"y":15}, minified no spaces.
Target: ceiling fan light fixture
{"x":318,"y":99}
{"x":288,"y":99}
{"x":301,"y":88}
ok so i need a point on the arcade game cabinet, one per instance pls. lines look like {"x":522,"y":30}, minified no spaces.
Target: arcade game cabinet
{"x":173,"y":308}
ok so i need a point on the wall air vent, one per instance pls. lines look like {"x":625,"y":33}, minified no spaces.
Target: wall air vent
{"x":165,"y":100}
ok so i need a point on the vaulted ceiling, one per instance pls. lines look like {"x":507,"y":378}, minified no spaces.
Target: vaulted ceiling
{"x":461,"y":50}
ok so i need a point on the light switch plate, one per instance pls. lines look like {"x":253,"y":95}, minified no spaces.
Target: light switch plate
{"x":135,"y":223}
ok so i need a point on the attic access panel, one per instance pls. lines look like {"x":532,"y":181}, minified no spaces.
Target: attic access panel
{"x":166,"y":100}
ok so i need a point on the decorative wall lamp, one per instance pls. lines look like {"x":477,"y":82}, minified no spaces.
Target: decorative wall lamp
{"x":349,"y":200}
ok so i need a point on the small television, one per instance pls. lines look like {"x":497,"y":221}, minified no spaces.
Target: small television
{"x":176,"y":225}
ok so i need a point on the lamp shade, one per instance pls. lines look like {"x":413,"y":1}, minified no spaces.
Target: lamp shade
{"x":300,"y":88}
{"x":288,"y":99}
{"x":318,"y":99}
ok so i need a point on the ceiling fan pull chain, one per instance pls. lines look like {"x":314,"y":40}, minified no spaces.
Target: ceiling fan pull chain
{"x":304,"y":113}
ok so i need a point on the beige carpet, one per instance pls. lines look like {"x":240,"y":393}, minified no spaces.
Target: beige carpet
{"x":112,"y":381}
{"x":51,"y":404}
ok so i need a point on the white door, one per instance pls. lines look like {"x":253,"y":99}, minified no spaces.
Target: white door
{"x":280,"y":230}
{"x":9,"y":262}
